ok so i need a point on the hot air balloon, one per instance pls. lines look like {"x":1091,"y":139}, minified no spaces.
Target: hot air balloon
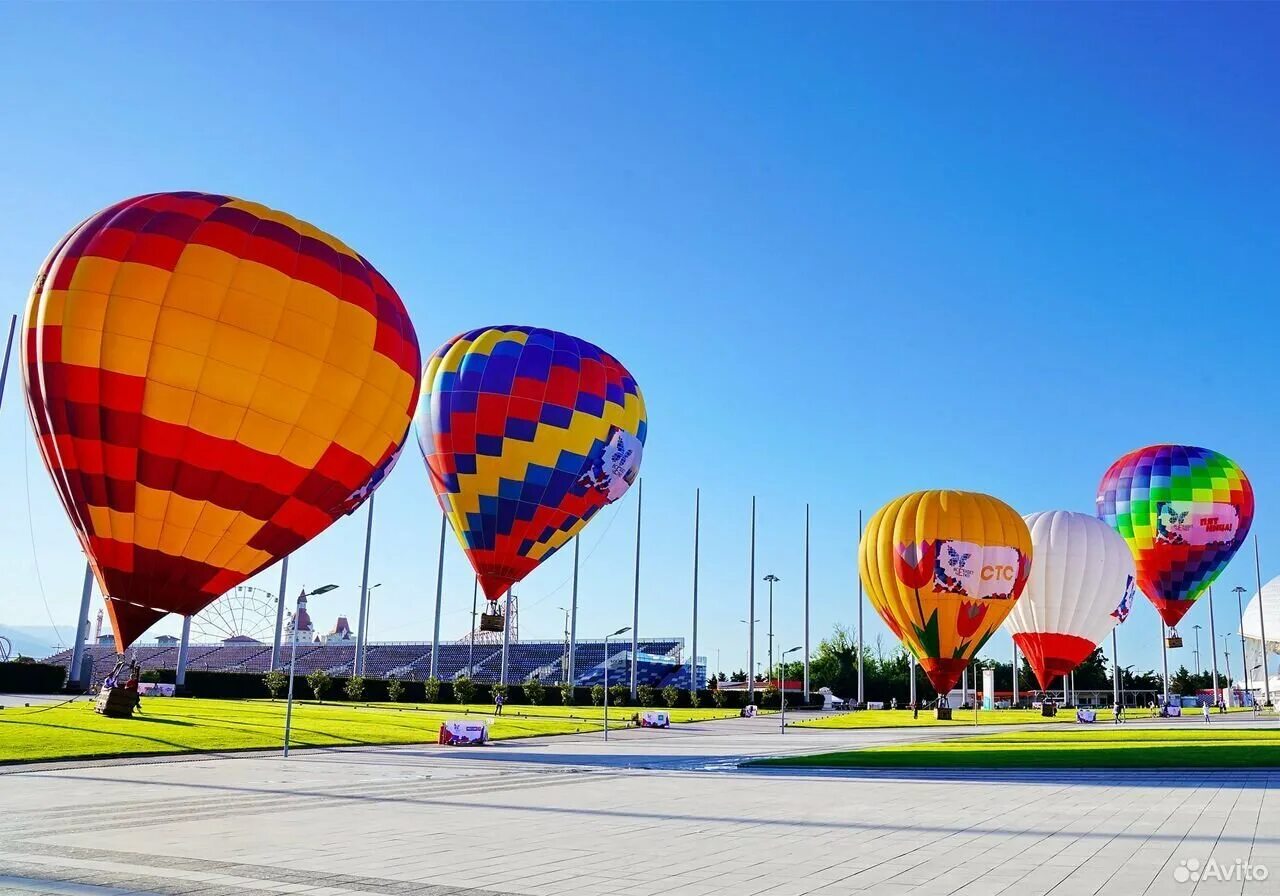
{"x":211,"y":383}
{"x":943,"y":569}
{"x":1183,"y":511}
{"x":526,"y":434}
{"x":1081,"y":585}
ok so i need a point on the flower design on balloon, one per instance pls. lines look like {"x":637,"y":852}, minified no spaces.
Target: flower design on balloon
{"x":969,"y":617}
{"x":913,"y":563}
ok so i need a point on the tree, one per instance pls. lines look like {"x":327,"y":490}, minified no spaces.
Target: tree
{"x":720,"y":676}
{"x":566,"y":693}
{"x":647,"y":695}
{"x":463,"y":689}
{"x":319,"y":681}
{"x":354,"y":688}
{"x":395,"y":690}
{"x":1181,"y":682}
{"x":597,"y":695}
{"x":534,"y":691}
{"x":718,"y":697}
{"x":695,"y":700}
{"x":431,"y":689}
{"x":671,"y":695}
{"x":738,"y":676}
{"x":276,"y":681}
{"x":619,"y":694}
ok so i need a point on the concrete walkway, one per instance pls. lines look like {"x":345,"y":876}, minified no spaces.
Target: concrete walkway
{"x":651,"y":812}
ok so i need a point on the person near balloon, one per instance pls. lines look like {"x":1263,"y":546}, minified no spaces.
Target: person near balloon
{"x":498,"y":700}
{"x":1118,"y":710}
{"x":1205,"y":706}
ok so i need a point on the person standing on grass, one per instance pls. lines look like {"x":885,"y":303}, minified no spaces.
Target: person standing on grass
{"x":1116,"y":710}
{"x":1205,"y":705}
{"x":498,"y":700}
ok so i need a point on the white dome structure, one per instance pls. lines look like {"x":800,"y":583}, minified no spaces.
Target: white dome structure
{"x":1262,"y":611}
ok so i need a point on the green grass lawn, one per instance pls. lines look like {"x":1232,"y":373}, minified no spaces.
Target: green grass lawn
{"x":180,"y":725}
{"x":1127,"y":747}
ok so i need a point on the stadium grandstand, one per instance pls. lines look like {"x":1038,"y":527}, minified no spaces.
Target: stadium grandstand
{"x":660,"y":660}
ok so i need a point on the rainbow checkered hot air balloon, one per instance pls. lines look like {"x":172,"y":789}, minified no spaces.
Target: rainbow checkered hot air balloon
{"x":212,"y":383}
{"x":526,"y":434}
{"x":1184,"y":512}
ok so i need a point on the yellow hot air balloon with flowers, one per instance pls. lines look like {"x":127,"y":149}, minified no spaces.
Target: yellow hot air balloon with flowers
{"x":943,"y":569}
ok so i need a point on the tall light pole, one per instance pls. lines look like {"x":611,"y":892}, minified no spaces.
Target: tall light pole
{"x":1239,"y":590}
{"x":862,"y":695}
{"x":621,"y":631}
{"x":783,"y":690}
{"x":806,"y":603}
{"x":635,"y":607}
{"x":280,"y":599}
{"x":1115,"y":668}
{"x":1196,"y":652}
{"x":471,"y":645}
{"x":771,"y":578}
{"x":564,"y":667}
{"x":368,"y":611}
{"x":293,"y":659}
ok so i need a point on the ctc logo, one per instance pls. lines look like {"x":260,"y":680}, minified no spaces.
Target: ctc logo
{"x":999,"y":572}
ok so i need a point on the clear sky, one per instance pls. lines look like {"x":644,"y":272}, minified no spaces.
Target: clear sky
{"x":846,"y":250}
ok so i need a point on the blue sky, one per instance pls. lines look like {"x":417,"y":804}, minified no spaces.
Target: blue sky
{"x":846,"y":250}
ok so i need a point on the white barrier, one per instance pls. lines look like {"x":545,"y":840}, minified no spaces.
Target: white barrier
{"x":654,"y":718}
{"x":155,"y":689}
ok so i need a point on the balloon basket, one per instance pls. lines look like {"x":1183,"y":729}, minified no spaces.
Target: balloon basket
{"x":944,"y":713}
{"x":1173,"y":641}
{"x":116,"y":703}
{"x":492,"y":622}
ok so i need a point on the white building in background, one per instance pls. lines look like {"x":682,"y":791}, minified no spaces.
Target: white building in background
{"x":299,"y":628}
{"x":1264,"y":608}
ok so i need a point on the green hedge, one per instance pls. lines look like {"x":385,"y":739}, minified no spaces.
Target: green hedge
{"x":31,"y":678}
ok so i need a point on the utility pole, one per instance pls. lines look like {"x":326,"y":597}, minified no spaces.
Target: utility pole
{"x":771,"y":578}
{"x":1239,"y":590}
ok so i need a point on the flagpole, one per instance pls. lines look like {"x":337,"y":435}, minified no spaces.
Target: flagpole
{"x":1164,"y":655}
{"x":275,"y":640}
{"x":358,"y":660}
{"x":8,"y":345}
{"x":806,"y":606}
{"x":506,"y":637}
{"x":1213,"y":653}
{"x":862,"y":696}
{"x":573,"y":615}
{"x":1262,"y":626}
{"x":694,"y":684}
{"x":751,"y":613}
{"x":435,"y":632}
{"x":471,"y":647}
{"x":635,"y":607}
{"x":82,"y":629}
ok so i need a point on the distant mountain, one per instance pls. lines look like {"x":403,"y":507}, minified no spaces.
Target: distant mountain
{"x":38,"y":641}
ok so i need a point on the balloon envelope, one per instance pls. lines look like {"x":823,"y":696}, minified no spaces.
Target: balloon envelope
{"x":526,"y":434}
{"x":211,"y":383}
{"x":1184,"y":512}
{"x":943,"y":569}
{"x":1081,"y":585}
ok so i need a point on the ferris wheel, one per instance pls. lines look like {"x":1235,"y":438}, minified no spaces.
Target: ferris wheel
{"x":6,"y":648}
{"x":243,"y":612}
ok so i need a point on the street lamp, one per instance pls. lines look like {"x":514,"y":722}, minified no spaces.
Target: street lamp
{"x":1240,"y":592}
{"x":1197,"y":650}
{"x":362,"y":635}
{"x":783,"y":684}
{"x":293,"y":658}
{"x":621,"y":631}
{"x":771,"y":578}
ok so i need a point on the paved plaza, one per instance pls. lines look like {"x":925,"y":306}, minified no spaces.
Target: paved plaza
{"x":651,"y":812}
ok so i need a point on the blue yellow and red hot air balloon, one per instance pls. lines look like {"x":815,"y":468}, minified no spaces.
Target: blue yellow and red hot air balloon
{"x":526,"y":434}
{"x":212,"y":383}
{"x":1184,"y":512}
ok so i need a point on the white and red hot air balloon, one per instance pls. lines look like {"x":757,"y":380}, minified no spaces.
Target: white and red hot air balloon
{"x":1081,"y":586}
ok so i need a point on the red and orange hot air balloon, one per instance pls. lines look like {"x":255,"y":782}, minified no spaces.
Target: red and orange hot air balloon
{"x":212,"y":383}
